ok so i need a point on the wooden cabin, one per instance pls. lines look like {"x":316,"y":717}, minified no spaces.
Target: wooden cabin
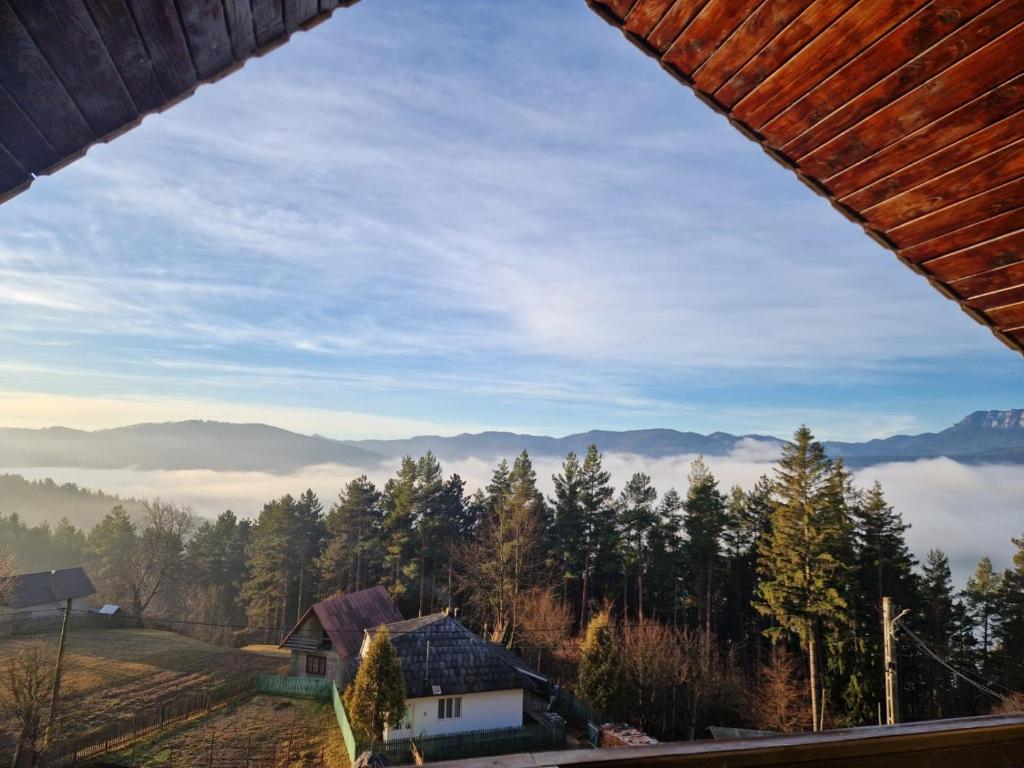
{"x":331,"y":632}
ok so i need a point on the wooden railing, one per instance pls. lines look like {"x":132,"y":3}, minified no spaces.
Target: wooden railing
{"x":995,"y":741}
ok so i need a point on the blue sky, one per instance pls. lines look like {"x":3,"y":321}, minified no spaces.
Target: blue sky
{"x":440,"y":216}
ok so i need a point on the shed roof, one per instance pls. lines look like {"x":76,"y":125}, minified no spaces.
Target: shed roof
{"x":908,"y":115}
{"x":346,"y":617}
{"x":457,"y":660}
{"x":28,"y":589}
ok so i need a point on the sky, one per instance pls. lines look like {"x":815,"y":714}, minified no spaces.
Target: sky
{"x":438,"y":216}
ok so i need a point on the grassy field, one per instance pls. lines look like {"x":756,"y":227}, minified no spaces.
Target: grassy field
{"x":110,"y":674}
{"x":263,"y":732}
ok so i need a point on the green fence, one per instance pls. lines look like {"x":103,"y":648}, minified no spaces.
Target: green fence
{"x":580,"y":714}
{"x":296,"y":687}
{"x":499,"y":741}
{"x":346,"y":729}
{"x":452,"y":746}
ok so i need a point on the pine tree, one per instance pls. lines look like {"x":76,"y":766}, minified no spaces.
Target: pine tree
{"x":568,"y":527}
{"x":944,"y":627}
{"x":600,"y":668}
{"x":665,"y":584}
{"x":505,"y":560}
{"x":636,"y":521}
{"x":801,"y":578}
{"x":1010,"y":631}
{"x":375,"y":700}
{"x":982,"y":599}
{"x":749,"y":519}
{"x":354,"y":554}
{"x":883,"y":567}
{"x":599,"y":534}
{"x":399,"y":533}
{"x":704,"y":523}
{"x":432,"y":529}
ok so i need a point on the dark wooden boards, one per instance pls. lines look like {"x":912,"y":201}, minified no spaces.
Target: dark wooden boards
{"x":74,"y":72}
{"x":907,"y":114}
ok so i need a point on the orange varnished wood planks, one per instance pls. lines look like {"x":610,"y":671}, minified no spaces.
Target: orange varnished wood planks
{"x":908,"y":115}
{"x":883,"y":60}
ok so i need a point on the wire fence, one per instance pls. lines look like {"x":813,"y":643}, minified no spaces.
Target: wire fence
{"x":147,"y":723}
{"x":302,"y":746}
{"x":580,"y":714}
{"x":19,"y":624}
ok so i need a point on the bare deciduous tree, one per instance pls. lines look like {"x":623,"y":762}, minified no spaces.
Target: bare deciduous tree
{"x":780,"y":698}
{"x":26,"y":678}
{"x":546,"y":628}
{"x":158,"y":555}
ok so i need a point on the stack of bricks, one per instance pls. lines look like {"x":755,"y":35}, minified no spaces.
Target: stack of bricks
{"x":617,"y":735}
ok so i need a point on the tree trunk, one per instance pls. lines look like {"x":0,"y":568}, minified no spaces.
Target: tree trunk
{"x":583,"y":595}
{"x":813,"y":660}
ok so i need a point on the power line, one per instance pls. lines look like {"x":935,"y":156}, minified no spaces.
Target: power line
{"x":970,"y":681}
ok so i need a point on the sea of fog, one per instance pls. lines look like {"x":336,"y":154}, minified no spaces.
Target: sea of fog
{"x":967,"y":511}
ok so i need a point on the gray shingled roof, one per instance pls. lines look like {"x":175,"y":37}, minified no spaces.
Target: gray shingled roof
{"x":458,"y":661}
{"x":28,"y":589}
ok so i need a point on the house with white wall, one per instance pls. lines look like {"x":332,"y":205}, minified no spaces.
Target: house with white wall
{"x":35,"y":595}
{"x":455,"y":682}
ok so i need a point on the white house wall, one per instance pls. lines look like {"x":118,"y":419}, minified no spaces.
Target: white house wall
{"x":480,"y":712}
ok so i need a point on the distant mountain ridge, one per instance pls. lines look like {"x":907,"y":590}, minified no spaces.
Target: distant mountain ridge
{"x":983,"y":437}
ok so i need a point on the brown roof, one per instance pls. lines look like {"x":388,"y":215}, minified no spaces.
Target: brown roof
{"x":907,"y":115}
{"x":346,"y":617}
{"x":28,"y":589}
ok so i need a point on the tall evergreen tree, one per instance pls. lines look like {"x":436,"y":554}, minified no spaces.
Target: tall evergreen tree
{"x":982,"y":599}
{"x":801,"y":578}
{"x":599,"y":533}
{"x":944,"y":627}
{"x":636,"y":522}
{"x":353,"y":558}
{"x":568,"y":530}
{"x":705,"y":521}
{"x":883,"y":567}
{"x":1010,"y":631}
{"x":399,"y":533}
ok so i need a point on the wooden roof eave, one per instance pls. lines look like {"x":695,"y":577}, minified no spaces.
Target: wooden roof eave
{"x":616,"y":13}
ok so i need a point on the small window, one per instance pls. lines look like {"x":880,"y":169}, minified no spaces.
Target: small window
{"x":407,"y":724}
{"x":449,"y":707}
{"x":316,"y":665}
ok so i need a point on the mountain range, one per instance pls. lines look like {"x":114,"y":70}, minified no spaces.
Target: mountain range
{"x":983,"y":437}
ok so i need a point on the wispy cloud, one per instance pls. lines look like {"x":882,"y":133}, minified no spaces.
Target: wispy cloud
{"x":531,"y":213}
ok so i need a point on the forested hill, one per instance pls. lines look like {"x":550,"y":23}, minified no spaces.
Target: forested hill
{"x":178,"y":445}
{"x":983,"y":437}
{"x":38,"y":501}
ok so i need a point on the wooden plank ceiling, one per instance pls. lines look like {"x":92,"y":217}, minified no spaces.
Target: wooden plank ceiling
{"x":907,"y":115}
{"x":77,"y":72}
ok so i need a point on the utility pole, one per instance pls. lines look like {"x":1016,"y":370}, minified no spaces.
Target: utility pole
{"x":892,"y":691}
{"x":51,"y":721}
